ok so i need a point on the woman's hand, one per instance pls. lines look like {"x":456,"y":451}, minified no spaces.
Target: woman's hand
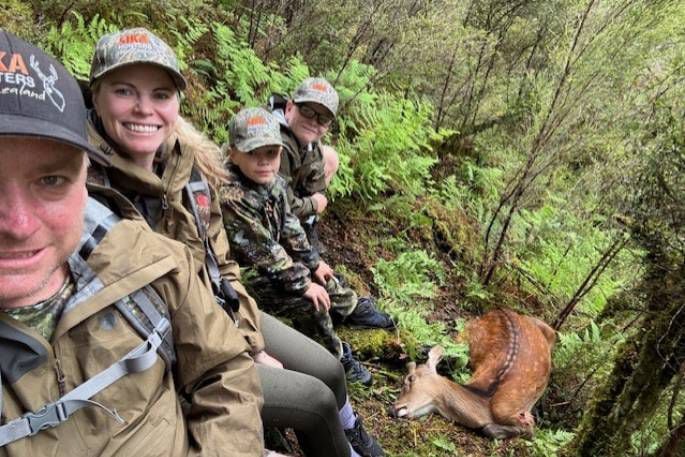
{"x":265,"y":359}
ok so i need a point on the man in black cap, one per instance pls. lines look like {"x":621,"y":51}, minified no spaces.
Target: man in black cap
{"x":103,"y":324}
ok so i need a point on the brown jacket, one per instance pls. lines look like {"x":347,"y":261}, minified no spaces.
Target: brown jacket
{"x":177,"y":222}
{"x":212,"y":370}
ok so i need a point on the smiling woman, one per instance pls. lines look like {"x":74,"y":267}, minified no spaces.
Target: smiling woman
{"x":138,"y":106}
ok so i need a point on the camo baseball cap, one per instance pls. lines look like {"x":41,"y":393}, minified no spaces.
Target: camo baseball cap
{"x":253,"y":128}
{"x":39,"y":98}
{"x":131,"y":46}
{"x":317,"y":90}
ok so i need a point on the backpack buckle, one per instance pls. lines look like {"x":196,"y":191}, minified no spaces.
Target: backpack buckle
{"x":50,"y":415}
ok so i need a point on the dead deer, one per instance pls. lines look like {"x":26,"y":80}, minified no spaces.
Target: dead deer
{"x":511,"y":360}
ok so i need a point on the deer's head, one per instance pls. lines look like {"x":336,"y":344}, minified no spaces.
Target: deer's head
{"x":422,"y":386}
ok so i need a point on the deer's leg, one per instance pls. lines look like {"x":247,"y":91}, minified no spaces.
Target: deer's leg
{"x":512,"y":412}
{"x":499,"y":432}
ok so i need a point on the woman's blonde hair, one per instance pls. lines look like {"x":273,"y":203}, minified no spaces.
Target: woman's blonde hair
{"x":208,"y":156}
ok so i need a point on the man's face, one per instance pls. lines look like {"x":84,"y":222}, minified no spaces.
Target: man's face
{"x":42,"y":184}
{"x":307,"y":129}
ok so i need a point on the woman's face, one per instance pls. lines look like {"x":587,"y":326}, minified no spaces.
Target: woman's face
{"x":138,"y":105}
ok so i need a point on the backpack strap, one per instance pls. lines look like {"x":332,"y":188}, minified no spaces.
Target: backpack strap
{"x":276,"y":102}
{"x":199,"y":199}
{"x":52,"y":414}
{"x":144,"y":310}
{"x":154,"y":311}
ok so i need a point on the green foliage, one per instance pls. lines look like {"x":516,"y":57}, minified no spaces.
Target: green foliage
{"x":482,"y":181}
{"x":406,"y":284}
{"x":547,"y":443}
{"x":239,"y":67}
{"x":475,"y":290}
{"x":647,"y":439}
{"x":559,"y":251}
{"x":385,"y":145}
{"x":74,"y":42}
{"x":573,"y":346}
{"x":409,"y":276}
{"x":443,"y":443}
{"x":187,"y":37}
{"x":237,"y":73}
{"x":237,"y":76}
{"x":619,"y":110}
{"x":405,"y":212}
{"x":16,"y":16}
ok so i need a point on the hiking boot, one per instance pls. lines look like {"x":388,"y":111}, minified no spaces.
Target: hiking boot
{"x":354,"y":370}
{"x":365,"y":315}
{"x":363,"y":443}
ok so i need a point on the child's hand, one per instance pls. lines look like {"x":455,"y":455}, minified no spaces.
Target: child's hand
{"x":323,"y":273}
{"x":318,"y":296}
{"x":321,"y":202}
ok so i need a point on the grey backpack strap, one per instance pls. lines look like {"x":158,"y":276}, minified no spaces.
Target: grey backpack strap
{"x":144,"y":308}
{"x":223,"y":291}
{"x":154,"y":310}
{"x":52,"y":414}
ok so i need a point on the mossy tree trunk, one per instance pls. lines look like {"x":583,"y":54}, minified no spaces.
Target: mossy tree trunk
{"x":643,"y":369}
{"x":653,"y":353}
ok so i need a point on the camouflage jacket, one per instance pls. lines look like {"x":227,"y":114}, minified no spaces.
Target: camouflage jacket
{"x":302,"y":169}
{"x":264,"y":234}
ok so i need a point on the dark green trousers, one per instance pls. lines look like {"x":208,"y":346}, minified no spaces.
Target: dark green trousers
{"x":307,"y":394}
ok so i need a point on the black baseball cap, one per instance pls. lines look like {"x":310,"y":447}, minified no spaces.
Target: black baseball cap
{"x":40,"y":98}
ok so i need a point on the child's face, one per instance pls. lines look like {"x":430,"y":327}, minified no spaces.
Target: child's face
{"x":259,"y":165}
{"x":304,"y":121}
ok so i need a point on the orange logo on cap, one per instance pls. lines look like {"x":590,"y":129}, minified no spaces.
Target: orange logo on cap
{"x":321,"y":87}
{"x":134,"y":38}
{"x":16,"y":64}
{"x":256,"y":120}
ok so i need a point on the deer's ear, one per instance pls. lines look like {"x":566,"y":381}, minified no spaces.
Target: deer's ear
{"x":434,"y":357}
{"x":411,"y":367}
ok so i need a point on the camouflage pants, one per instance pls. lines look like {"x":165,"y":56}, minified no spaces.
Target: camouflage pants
{"x":300,"y":311}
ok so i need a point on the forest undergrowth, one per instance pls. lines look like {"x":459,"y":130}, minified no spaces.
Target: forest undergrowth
{"x":526,"y":155}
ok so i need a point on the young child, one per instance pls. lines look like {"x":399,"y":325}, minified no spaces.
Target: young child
{"x":287,"y":276}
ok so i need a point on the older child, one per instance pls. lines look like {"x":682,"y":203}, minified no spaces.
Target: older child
{"x":307,"y":167}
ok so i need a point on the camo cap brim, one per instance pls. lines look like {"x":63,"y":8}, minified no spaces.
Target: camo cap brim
{"x":253,"y":128}
{"x":134,"y":46}
{"x":317,"y":90}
